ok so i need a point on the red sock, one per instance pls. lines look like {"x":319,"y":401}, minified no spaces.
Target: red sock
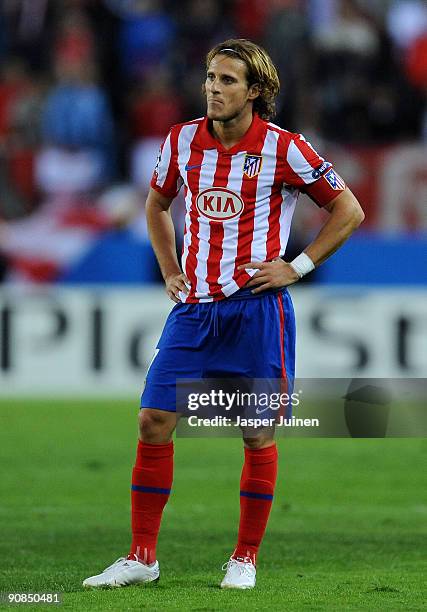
{"x":256,"y":496}
{"x":151,"y":484}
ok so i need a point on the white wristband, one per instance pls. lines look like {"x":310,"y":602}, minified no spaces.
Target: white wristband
{"x":302,"y":264}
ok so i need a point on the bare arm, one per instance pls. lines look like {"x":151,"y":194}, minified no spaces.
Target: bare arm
{"x":346,"y":215}
{"x":162,"y":235}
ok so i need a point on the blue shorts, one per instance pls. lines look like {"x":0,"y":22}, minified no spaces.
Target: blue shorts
{"x":242,"y":336}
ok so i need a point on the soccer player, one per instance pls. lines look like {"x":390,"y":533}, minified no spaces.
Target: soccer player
{"x":241,"y":176}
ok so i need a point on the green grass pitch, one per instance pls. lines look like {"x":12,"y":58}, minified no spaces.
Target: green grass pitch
{"x":346,"y":529}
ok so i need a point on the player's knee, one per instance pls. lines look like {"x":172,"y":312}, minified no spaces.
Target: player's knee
{"x":259,"y":441}
{"x":155,"y":425}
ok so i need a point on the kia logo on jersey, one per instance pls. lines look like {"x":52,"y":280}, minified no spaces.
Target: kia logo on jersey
{"x":219,"y":204}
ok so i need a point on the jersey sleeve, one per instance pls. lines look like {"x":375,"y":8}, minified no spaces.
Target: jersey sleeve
{"x":311,"y":173}
{"x":166,"y":177}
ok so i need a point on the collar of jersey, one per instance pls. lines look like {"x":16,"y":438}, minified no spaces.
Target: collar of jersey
{"x":249,"y":141}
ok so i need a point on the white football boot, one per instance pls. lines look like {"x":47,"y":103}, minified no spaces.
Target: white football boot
{"x":124,"y":572}
{"x":240,"y":574}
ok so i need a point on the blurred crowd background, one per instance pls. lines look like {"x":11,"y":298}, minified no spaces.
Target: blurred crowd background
{"x":89,"y":89}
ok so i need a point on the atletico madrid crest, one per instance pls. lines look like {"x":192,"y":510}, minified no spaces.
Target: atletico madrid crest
{"x":252,"y":165}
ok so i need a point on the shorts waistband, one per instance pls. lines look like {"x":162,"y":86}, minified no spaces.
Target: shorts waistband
{"x":246,"y":293}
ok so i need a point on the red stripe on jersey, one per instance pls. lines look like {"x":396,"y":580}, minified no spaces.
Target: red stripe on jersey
{"x":290,"y":177}
{"x":273,"y":234}
{"x":171,"y":182}
{"x":193,"y":177}
{"x":308,"y":152}
{"x":216,"y":237}
{"x":170,"y":185}
{"x":247,"y":221}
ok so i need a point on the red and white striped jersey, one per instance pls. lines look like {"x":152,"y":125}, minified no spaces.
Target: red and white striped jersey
{"x":239,"y":201}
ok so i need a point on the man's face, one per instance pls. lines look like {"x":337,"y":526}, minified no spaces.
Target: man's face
{"x":227,"y":91}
